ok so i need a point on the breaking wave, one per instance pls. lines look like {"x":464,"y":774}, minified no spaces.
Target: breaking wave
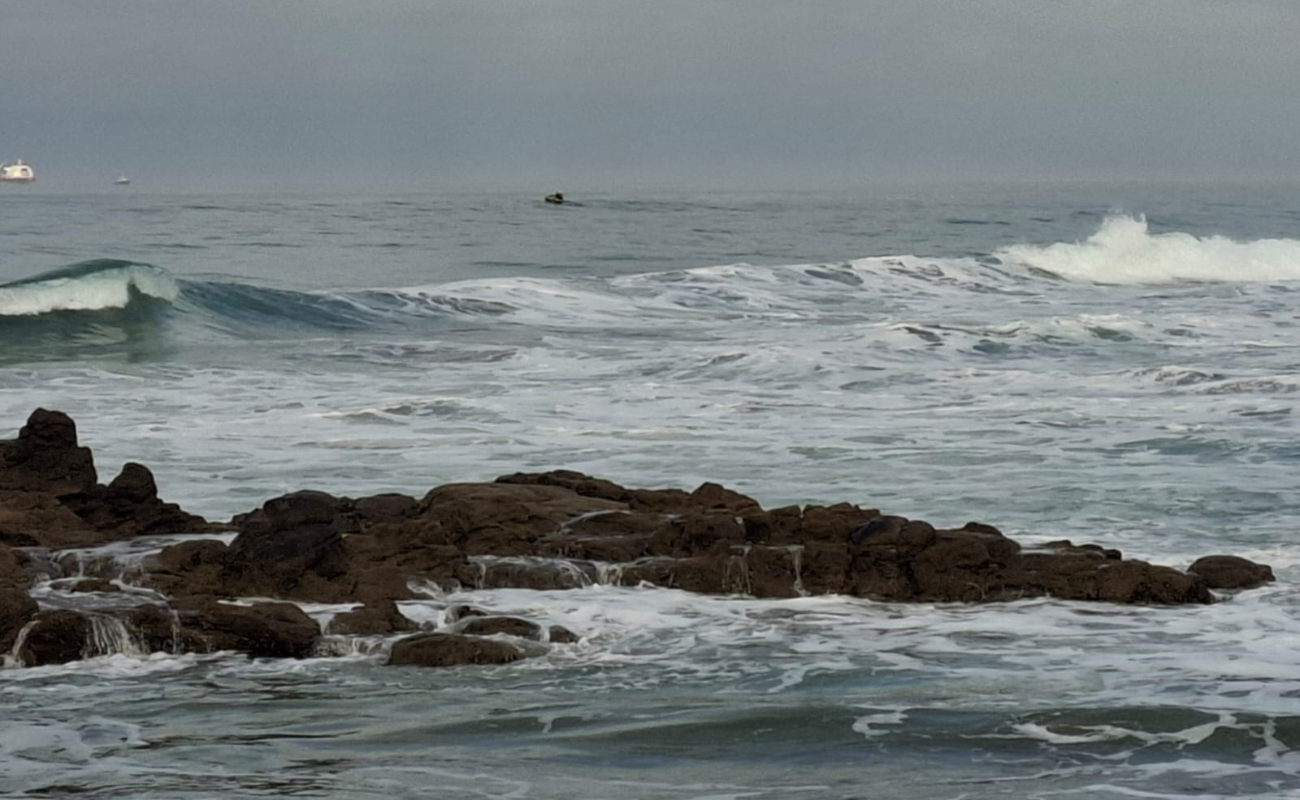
{"x":1124,"y":251}
{"x":91,"y":296}
{"x":95,"y":285}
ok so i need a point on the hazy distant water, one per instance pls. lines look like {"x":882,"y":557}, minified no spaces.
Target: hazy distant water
{"x":1105,"y":363}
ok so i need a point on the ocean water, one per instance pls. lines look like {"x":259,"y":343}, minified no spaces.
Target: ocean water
{"x":1113,"y":363}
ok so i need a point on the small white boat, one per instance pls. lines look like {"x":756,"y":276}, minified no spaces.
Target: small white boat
{"x":122,"y":180}
{"x":17,"y":172}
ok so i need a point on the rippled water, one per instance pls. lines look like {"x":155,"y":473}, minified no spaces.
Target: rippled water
{"x":1045,"y":359}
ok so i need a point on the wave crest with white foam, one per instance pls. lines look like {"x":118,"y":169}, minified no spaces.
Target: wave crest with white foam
{"x":88,"y":286}
{"x":1124,"y":251}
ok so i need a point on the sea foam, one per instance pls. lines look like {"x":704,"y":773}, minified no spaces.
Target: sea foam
{"x":1124,"y":251}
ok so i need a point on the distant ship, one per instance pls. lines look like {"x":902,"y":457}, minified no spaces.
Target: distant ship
{"x":122,"y":180}
{"x":17,"y":172}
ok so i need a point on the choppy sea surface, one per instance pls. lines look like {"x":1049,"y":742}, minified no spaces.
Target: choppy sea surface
{"x":1107,"y":363}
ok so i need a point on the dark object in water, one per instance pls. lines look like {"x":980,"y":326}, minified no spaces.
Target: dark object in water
{"x":556,"y":198}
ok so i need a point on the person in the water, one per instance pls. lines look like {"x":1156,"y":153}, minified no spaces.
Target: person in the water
{"x":557,"y":198}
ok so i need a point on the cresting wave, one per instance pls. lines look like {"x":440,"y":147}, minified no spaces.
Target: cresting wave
{"x":95,"y":285}
{"x":1124,"y":251}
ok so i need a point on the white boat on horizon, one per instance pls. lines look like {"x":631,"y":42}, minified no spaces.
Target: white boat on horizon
{"x":17,"y":172}
{"x":122,"y":180}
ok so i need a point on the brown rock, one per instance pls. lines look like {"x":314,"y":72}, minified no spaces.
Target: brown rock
{"x":17,"y":608}
{"x":697,"y":534}
{"x":130,"y":506}
{"x":1139,"y":582}
{"x":158,"y":630}
{"x":280,"y":545}
{"x":833,"y":524}
{"x":544,"y":574}
{"x":558,"y":634}
{"x":272,"y":630}
{"x":94,"y":585}
{"x":1231,"y":572}
{"x":780,"y":526}
{"x":575,"y":482}
{"x":715,"y":498}
{"x":46,"y":458}
{"x":704,"y":574}
{"x":38,"y":519}
{"x":502,"y":518}
{"x":611,"y":536}
{"x":379,"y":617}
{"x":660,"y":501}
{"x":386,"y":508}
{"x":1067,"y":546}
{"x":510,"y":626}
{"x":378,"y":583}
{"x":450,"y":649}
{"x":188,"y":568}
{"x":56,"y":637}
{"x":461,"y":612}
{"x":795,"y":570}
{"x":15,"y":571}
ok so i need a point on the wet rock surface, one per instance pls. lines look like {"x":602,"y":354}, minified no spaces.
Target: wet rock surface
{"x":379,"y":617}
{"x":451,"y":650}
{"x":1231,"y":572}
{"x":273,"y":630}
{"x":55,"y":637}
{"x":549,"y":530}
{"x":17,"y":608}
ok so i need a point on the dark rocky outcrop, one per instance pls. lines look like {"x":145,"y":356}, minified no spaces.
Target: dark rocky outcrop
{"x":564,"y":530}
{"x":549,"y":531}
{"x":50,"y":497}
{"x":450,"y":650}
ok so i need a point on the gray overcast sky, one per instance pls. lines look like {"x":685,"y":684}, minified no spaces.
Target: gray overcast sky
{"x":594,"y":93}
